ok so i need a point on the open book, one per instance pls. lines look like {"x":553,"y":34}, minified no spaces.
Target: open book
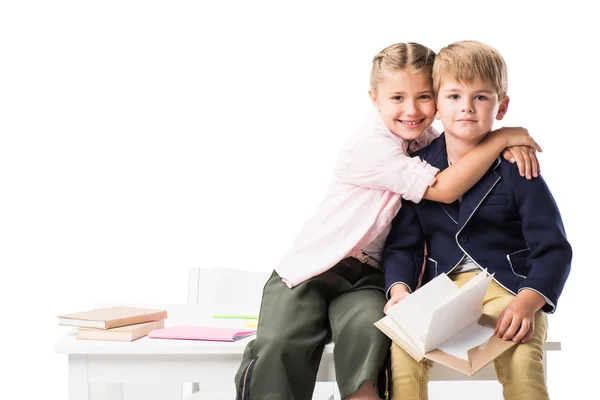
{"x":445,"y":324}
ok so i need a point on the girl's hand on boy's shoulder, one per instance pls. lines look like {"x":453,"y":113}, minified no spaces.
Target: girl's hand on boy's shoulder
{"x":521,"y":148}
{"x":526,"y":159}
{"x":397,"y":292}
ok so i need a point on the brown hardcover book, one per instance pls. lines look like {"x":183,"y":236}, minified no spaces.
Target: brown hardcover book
{"x":479,"y":356}
{"x":127,"y":333}
{"x":446,"y":324}
{"x":111,"y":317}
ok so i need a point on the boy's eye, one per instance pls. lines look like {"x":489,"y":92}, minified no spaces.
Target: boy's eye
{"x":453,"y":97}
{"x":397,"y":98}
{"x":425,"y":97}
{"x":480,"y":97}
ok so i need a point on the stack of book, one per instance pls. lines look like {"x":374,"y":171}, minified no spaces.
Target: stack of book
{"x":119,"y":323}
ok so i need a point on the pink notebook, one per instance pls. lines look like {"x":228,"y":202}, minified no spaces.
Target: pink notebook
{"x":184,"y":332}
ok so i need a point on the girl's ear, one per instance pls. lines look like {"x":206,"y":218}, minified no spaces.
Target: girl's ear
{"x":502,"y":108}
{"x":374,"y":100}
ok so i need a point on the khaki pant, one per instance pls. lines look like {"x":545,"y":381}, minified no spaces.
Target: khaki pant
{"x":520,"y":370}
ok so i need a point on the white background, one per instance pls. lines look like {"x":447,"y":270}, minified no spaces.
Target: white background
{"x":139,"y":139}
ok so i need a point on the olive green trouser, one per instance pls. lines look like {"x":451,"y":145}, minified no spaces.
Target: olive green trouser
{"x":520,"y":370}
{"x":295,"y":324}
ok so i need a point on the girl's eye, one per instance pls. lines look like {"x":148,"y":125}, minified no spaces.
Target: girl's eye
{"x":425,"y":97}
{"x":480,"y":97}
{"x":397,"y":98}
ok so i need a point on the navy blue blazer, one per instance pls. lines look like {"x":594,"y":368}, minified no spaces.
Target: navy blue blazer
{"x":505,"y":223}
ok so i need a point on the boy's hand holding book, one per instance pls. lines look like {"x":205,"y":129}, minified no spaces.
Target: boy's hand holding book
{"x":517,"y":320}
{"x":444,"y":323}
{"x":397,"y":293}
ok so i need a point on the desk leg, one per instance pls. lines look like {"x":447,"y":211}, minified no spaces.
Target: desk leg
{"x":79,"y":384}
{"x":188,"y":389}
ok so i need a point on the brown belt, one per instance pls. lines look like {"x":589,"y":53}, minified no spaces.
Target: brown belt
{"x":365,"y":258}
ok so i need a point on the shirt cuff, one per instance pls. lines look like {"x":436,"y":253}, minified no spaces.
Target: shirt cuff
{"x":427,"y":172}
{"x":424,"y":176}
{"x":387,"y":294}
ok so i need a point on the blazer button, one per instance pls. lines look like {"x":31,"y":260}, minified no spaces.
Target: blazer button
{"x":463,"y":239}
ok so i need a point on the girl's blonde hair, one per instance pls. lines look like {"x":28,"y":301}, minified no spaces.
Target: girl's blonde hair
{"x":399,"y":57}
{"x":468,"y":61}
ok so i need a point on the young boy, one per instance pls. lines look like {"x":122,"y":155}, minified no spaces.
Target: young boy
{"x":505,"y":223}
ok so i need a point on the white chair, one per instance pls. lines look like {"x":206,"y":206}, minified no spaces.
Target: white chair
{"x":226,"y":290}
{"x":231,"y":289}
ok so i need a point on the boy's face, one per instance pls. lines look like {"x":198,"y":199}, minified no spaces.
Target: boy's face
{"x":406,"y":101}
{"x":468,"y":110}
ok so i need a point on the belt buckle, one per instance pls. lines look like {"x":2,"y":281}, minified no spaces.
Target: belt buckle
{"x":363,"y":257}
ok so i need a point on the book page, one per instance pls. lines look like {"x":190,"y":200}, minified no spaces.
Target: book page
{"x":457,"y":313}
{"x":394,"y":332}
{"x":475,"y":280}
{"x":413,"y":313}
{"x":472,"y":335}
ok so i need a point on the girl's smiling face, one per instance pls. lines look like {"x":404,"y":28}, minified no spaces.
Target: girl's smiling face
{"x":406,"y":101}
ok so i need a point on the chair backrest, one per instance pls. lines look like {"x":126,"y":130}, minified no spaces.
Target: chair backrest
{"x":227,"y":290}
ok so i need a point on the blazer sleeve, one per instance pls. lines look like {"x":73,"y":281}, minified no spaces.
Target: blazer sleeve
{"x":550,"y":253}
{"x":381,"y":163}
{"x":404,"y":249}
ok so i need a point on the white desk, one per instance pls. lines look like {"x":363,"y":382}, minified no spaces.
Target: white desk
{"x":211,"y":364}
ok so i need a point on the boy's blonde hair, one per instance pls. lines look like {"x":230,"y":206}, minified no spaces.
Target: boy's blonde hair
{"x":468,"y":61}
{"x":401,"y":56}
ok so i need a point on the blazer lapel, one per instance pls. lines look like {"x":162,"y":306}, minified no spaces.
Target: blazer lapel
{"x":439,"y":159}
{"x":473,"y":198}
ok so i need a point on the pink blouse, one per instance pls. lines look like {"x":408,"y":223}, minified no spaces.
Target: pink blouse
{"x":371,"y":176}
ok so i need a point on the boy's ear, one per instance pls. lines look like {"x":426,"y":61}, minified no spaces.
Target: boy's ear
{"x":374,"y":100}
{"x":437,"y":113}
{"x":502,"y":108}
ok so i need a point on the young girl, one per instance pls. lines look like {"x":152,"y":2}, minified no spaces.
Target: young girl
{"x":330,"y":284}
